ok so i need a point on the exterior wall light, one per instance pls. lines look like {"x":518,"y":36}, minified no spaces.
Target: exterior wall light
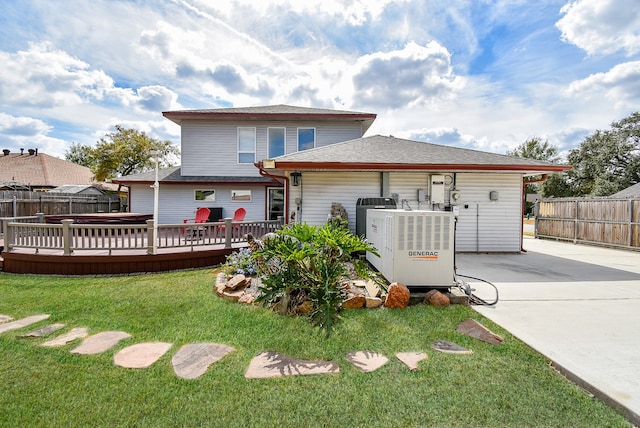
{"x":295,"y":178}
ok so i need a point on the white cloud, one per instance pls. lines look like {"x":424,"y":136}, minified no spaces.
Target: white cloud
{"x":21,"y":126}
{"x":621,"y":85}
{"x":416,"y":75}
{"x":602,"y":26}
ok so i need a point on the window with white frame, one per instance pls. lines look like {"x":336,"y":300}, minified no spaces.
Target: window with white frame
{"x":276,"y":140}
{"x":306,"y":138}
{"x":246,"y":145}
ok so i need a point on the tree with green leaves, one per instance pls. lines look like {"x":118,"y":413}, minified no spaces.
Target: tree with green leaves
{"x":123,"y":152}
{"x":607,"y":161}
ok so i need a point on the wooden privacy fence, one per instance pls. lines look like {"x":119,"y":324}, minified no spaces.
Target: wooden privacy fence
{"x":606,"y":221}
{"x":24,"y":203}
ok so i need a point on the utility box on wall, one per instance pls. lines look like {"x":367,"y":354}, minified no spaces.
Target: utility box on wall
{"x":416,"y":247}
{"x":437,"y":189}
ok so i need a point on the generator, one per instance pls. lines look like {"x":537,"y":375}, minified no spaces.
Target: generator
{"x":416,"y":247}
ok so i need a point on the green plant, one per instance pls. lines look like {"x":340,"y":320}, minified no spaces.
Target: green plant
{"x":240,"y":262}
{"x":303,"y":262}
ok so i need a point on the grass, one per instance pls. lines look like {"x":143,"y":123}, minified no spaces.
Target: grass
{"x":505,"y":385}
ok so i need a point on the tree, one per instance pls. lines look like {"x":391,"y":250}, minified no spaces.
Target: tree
{"x":124,"y":152}
{"x":607,"y":161}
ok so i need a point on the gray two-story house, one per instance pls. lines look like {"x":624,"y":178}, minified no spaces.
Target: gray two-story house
{"x":297,"y":162}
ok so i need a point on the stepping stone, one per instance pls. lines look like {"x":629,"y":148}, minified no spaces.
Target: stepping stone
{"x":271,"y":364}
{"x":44,"y":331}
{"x":193,"y":360}
{"x":411,"y":359}
{"x":5,"y":318}
{"x":449,"y":348}
{"x":367,"y":361}
{"x":75,"y":333}
{"x":14,"y":325}
{"x":142,"y":355}
{"x":100,"y":342}
{"x":473,"y":328}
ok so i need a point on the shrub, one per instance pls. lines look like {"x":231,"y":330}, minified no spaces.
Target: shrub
{"x":240,"y":262}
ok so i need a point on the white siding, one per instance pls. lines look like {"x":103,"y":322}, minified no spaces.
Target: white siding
{"x":485,"y":225}
{"x":176,"y":202}
{"x":319,"y":190}
{"x":406,"y":185}
{"x":211,"y":148}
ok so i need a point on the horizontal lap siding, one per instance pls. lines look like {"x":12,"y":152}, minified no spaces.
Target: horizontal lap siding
{"x":406,"y":185}
{"x":498,"y":227}
{"x":320,"y":190}
{"x":176,"y":202}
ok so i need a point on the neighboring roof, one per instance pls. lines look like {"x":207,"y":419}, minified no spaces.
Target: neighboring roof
{"x":76,"y":188}
{"x":41,"y":170}
{"x":279,"y":112}
{"x":629,"y":192}
{"x":381,"y":153}
{"x":173,"y":175}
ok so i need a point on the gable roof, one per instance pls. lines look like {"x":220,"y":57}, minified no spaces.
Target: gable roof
{"x":382,"y":153}
{"x":173,"y":176}
{"x":41,"y":170}
{"x":629,"y":192}
{"x":280,"y":112}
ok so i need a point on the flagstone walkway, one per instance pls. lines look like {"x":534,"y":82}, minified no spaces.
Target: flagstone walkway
{"x":193,"y":360}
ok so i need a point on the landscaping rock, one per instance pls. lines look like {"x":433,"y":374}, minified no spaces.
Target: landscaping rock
{"x":74,"y":334}
{"x":397,"y":296}
{"x":44,"y":331}
{"x":474,"y":329}
{"x":360,"y":283}
{"x":411,"y":359}
{"x":271,"y":364}
{"x":193,"y":360}
{"x":373,"y":302}
{"x":14,"y":325}
{"x":449,"y":348}
{"x":355,"y":302}
{"x":236,"y":282}
{"x":457,"y":297}
{"x":220,"y":287}
{"x":100,"y":342}
{"x":367,"y":361}
{"x":233,"y":295}
{"x":141,"y":355}
{"x":5,"y":318}
{"x":247,"y":298}
{"x":304,"y":308}
{"x":373,"y":289}
{"x":436,"y":298}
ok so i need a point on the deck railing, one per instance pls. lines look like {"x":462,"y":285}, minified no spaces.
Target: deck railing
{"x":70,"y":237}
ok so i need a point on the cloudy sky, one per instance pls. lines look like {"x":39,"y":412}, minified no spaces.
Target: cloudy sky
{"x":479,"y":74}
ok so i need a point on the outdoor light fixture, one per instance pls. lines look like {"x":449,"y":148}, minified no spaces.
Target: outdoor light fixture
{"x":295,"y":178}
{"x":268,"y":163}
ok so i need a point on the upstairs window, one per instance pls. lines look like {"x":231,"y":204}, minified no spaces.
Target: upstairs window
{"x":246,"y":145}
{"x":306,"y":138}
{"x":276,"y":141}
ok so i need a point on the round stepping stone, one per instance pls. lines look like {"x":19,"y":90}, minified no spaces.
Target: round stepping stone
{"x":100,"y":342}
{"x":44,"y":331}
{"x":193,"y":360}
{"x":271,"y":364}
{"x":5,"y":318}
{"x":14,"y":325}
{"x":367,"y":361}
{"x":449,"y":348}
{"x":75,"y":333}
{"x":141,"y":355}
{"x":411,"y":359}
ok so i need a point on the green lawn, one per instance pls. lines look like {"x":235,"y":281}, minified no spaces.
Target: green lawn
{"x":505,"y":385}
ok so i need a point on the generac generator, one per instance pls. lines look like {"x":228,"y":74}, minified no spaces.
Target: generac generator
{"x":416,"y":247}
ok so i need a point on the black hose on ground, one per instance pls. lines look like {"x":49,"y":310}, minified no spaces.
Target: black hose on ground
{"x":473,"y":299}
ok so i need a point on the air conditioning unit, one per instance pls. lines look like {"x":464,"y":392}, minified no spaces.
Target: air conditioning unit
{"x":416,"y":247}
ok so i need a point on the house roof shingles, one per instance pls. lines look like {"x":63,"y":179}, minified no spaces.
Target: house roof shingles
{"x":173,"y":175}
{"x":390,"y":153}
{"x":42,"y":170}
{"x":272,"y":113}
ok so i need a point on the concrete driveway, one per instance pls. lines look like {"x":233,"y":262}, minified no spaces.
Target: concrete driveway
{"x":577,"y":305}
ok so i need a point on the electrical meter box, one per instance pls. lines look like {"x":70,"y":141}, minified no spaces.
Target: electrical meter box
{"x":416,"y":247}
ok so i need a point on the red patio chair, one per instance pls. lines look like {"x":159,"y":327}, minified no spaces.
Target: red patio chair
{"x":238,"y":215}
{"x":202,"y":215}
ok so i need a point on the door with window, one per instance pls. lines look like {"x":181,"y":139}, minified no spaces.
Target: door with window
{"x":275,"y":202}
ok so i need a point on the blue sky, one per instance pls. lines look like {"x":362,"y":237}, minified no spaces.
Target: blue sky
{"x":478,"y":74}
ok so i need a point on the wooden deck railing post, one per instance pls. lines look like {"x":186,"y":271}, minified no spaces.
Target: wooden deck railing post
{"x":66,"y":237}
{"x":228,"y":232}
{"x":9,"y":234}
{"x":40,"y":217}
{"x":151,"y":238}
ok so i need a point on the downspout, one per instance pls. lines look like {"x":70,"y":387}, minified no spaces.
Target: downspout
{"x":523,"y":207}
{"x":286,"y":189}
